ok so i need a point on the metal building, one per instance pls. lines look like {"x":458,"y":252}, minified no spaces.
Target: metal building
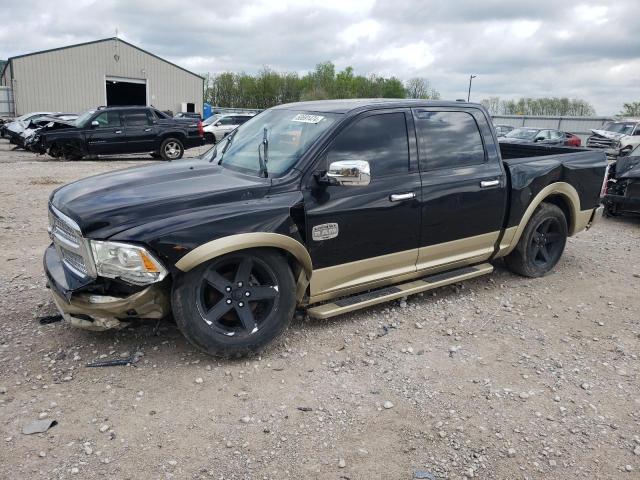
{"x":104,"y":72}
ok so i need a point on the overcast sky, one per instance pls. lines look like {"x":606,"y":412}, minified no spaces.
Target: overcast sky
{"x":515,"y":47}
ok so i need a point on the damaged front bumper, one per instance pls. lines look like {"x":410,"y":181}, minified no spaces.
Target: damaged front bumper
{"x":85,"y":309}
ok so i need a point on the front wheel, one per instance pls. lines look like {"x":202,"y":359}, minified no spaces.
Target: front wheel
{"x":541,"y":244}
{"x":234,"y":305}
{"x":171,"y":149}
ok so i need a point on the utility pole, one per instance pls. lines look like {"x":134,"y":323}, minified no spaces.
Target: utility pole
{"x":471,"y":77}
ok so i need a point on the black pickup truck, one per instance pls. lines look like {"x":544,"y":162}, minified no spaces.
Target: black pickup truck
{"x":328,"y":206}
{"x":116,"y":130}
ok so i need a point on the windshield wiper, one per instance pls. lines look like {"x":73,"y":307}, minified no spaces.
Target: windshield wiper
{"x":226,"y":146}
{"x":263,"y":160}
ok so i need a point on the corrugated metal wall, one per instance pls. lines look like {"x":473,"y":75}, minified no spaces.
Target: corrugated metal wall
{"x":580,"y":126}
{"x":6,"y":102}
{"x":73,"y":79}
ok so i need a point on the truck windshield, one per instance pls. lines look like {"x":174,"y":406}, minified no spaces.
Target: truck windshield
{"x":620,"y":127}
{"x":523,"y":133}
{"x":289,"y":134}
{"x":82,"y":119}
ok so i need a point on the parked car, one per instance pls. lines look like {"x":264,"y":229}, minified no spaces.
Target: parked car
{"x":221,"y":125}
{"x":116,"y":130}
{"x":571,"y":140}
{"x":616,"y":138}
{"x":191,"y":115}
{"x":502,"y":130}
{"x":622,"y":192}
{"x":319,"y":205}
{"x":543,"y":136}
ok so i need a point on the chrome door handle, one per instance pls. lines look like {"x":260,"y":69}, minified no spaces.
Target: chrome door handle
{"x":118,"y":131}
{"x":489,"y":183}
{"x":147,"y":129}
{"x":400,"y":197}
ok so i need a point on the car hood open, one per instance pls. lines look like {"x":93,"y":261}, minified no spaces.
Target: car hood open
{"x":107,"y":204}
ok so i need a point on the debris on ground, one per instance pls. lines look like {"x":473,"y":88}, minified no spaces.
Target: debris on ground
{"x":50,"y":319}
{"x":39,"y":426}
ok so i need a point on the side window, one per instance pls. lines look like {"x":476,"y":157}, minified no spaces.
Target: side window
{"x":136,"y":118}
{"x":227,"y":121}
{"x":241,"y":120}
{"x":555,"y":134}
{"x":159,"y":114}
{"x":545,"y":134}
{"x":448,"y":140}
{"x":108,"y":119}
{"x":380,"y":140}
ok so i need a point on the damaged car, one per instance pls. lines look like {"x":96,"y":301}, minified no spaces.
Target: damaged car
{"x":617,"y":139}
{"x":48,"y":122}
{"x":622,"y":190}
{"x":329,"y":206}
{"x":13,"y":129}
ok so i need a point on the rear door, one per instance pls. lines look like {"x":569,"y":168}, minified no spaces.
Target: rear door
{"x":108,"y":137}
{"x":140,"y":130}
{"x":363,"y":234}
{"x":463,"y":199}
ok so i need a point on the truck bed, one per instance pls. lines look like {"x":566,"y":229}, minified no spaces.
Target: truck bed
{"x":530,"y":168}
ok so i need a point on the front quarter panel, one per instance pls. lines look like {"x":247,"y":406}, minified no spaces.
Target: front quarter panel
{"x":173,"y":237}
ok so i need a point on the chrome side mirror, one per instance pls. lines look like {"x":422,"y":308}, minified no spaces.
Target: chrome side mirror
{"x":95,"y":124}
{"x":349,"y":173}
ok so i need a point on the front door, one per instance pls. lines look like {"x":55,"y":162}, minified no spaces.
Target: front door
{"x":464,"y":188}
{"x":108,"y":136}
{"x":362,"y":235}
{"x":140,"y":130}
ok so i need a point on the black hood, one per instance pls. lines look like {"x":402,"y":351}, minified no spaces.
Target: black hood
{"x":107,"y":204}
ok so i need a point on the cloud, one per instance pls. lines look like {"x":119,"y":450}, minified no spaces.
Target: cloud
{"x":524,"y":48}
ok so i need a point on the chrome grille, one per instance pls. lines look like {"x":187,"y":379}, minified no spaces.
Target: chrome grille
{"x":71,"y":246}
{"x":599,"y":142}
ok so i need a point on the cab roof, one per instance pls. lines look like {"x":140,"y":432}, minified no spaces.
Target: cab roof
{"x":351,"y":104}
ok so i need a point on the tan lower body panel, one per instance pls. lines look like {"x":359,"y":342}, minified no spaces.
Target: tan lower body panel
{"x":397,"y":291}
{"x":353,"y":277}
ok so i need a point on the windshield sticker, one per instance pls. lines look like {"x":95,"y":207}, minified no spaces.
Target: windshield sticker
{"x":305,"y":118}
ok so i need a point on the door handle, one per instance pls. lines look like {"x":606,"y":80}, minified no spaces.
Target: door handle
{"x":118,"y":131}
{"x":147,"y":129}
{"x":489,"y":183}
{"x":401,"y":197}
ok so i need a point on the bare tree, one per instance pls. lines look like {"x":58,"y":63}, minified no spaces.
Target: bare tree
{"x":418,"y":87}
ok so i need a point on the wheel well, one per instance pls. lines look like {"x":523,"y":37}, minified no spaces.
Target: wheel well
{"x":563,"y":204}
{"x":176,"y":135}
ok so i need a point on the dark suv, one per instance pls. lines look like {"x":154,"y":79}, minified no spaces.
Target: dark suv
{"x":116,"y":130}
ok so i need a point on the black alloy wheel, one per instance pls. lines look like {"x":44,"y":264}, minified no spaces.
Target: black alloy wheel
{"x":541,"y":243}
{"x":233,"y":305}
{"x":236,"y":295}
{"x":546,"y":243}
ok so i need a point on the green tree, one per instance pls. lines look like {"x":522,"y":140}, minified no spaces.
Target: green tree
{"x":631,"y":109}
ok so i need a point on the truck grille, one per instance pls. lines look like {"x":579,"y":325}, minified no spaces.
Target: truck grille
{"x":70,"y":244}
{"x":596,"y":141}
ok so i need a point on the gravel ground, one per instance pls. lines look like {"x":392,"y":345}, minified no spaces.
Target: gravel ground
{"x":499,"y":377}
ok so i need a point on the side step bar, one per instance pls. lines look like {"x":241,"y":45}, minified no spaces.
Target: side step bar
{"x":385,"y":294}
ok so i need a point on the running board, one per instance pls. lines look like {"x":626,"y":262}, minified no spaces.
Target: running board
{"x":381,"y":295}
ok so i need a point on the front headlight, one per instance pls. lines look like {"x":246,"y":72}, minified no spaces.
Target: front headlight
{"x":130,"y":263}
{"x":615,"y":144}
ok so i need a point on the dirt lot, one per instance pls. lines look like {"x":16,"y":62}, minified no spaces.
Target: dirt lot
{"x":500,"y":377}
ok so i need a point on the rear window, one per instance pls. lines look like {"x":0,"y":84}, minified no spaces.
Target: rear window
{"x":448,"y":140}
{"x":136,"y":118}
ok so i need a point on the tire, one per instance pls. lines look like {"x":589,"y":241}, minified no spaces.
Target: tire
{"x":55,"y":151}
{"x":541,"y":244}
{"x":171,"y":149}
{"x":210,"y":138}
{"x":71,"y":151}
{"x":212,"y":309}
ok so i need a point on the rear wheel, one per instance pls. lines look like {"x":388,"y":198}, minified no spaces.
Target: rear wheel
{"x":171,"y":149}
{"x":210,"y":137}
{"x":234,"y":305}
{"x":541,"y":244}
